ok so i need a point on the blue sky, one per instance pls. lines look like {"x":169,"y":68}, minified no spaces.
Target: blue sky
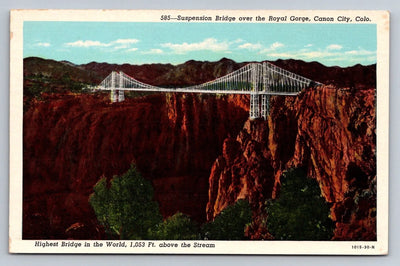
{"x":175,"y":43}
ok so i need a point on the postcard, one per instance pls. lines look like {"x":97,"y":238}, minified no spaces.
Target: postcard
{"x":199,"y":131}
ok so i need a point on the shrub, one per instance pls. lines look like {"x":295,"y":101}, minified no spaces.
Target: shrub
{"x":177,"y":227}
{"x":126,"y":208}
{"x":230,"y":223}
{"x":300,"y":212}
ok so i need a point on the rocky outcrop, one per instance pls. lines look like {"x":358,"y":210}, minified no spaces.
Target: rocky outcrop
{"x":329,"y":132}
{"x":71,"y":140}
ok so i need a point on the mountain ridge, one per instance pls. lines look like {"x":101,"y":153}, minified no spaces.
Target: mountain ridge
{"x":194,"y":72}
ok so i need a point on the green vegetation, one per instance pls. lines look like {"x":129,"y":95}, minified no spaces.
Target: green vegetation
{"x":43,"y":75}
{"x":126,"y":208}
{"x":300,"y":212}
{"x":36,"y":84}
{"x":230,"y":224}
{"x":176,"y":227}
{"x":137,"y":94}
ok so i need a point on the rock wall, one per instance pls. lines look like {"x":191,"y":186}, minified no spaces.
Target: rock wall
{"x":329,"y":132}
{"x":201,"y":154}
{"x":70,"y":141}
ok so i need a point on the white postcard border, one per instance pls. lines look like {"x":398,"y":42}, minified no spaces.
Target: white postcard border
{"x":17,"y":245}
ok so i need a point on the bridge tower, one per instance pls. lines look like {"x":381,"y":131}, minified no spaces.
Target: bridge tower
{"x":254,"y":94}
{"x":121,"y":93}
{"x":265,"y":97}
{"x":259,"y":100}
{"x":113,"y":90}
{"x":117,"y":94}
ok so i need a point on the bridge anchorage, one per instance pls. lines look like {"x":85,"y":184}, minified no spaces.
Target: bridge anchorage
{"x":259,"y":80}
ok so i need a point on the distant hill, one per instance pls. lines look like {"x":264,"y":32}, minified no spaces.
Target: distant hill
{"x":60,"y":75}
{"x":48,"y":68}
{"x":357,"y":76}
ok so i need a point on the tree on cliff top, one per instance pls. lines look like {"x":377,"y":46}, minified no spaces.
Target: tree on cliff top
{"x":300,"y":212}
{"x":177,"y":227}
{"x":230,"y":224}
{"x":126,"y":208}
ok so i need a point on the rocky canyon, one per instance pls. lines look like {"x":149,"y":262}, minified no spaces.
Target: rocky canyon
{"x":201,"y":152}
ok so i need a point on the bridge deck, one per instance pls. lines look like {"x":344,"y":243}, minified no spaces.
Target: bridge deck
{"x":192,"y":90}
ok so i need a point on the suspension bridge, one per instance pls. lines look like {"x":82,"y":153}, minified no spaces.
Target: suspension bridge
{"x":259,"y":80}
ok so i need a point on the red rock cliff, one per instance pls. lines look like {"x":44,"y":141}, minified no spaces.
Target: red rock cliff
{"x":70,"y":141}
{"x":328,"y":131}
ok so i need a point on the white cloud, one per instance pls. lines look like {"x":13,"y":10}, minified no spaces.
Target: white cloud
{"x":87,"y":43}
{"x":43,"y":44}
{"x":153,"y":51}
{"x":120,"y":47}
{"x":276,"y":45}
{"x":250,"y":46}
{"x":272,"y":48}
{"x":334,"y":53}
{"x":117,"y":44}
{"x":132,"y":50}
{"x":238,"y":41}
{"x":306,"y":55}
{"x":125,"y":41}
{"x":210,"y":44}
{"x":359,"y":52}
{"x":282,"y":55}
{"x":334,"y":56}
{"x":334,"y":47}
{"x":317,"y":54}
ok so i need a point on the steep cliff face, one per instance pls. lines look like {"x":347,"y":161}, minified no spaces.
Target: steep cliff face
{"x":329,"y":132}
{"x":200,"y":152}
{"x":70,"y":141}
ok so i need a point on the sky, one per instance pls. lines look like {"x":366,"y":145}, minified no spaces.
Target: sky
{"x":155,"y":42}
